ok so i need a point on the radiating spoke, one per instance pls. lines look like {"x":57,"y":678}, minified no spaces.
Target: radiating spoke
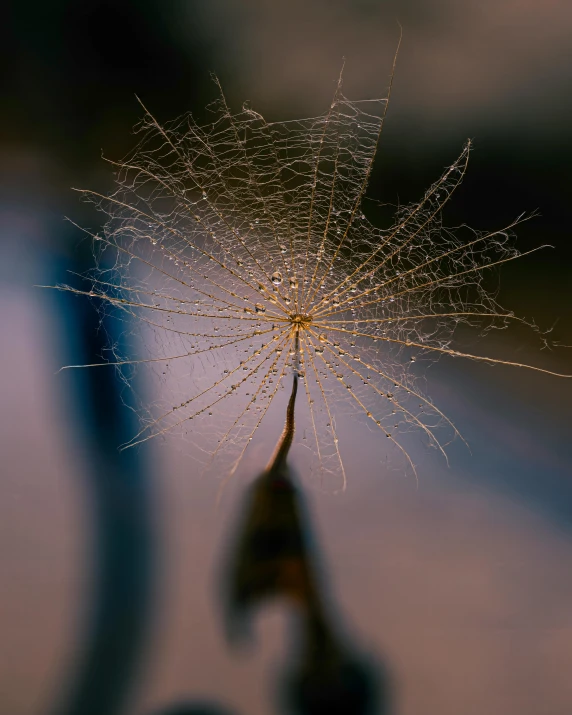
{"x":253,"y":399}
{"x":168,"y":358}
{"x":202,"y":188}
{"x":213,"y":386}
{"x":247,"y":441}
{"x":330,"y":417}
{"x":365,"y":410}
{"x":433,"y":439}
{"x":446,"y":351}
{"x":333,"y":106}
{"x":311,"y":406}
{"x":367,"y":173}
{"x":416,"y":269}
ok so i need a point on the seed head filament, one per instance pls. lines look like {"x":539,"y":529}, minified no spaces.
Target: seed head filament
{"x":243,"y":258}
{"x":298,"y":321}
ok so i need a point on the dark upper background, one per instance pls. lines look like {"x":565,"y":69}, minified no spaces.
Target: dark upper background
{"x":497,"y":71}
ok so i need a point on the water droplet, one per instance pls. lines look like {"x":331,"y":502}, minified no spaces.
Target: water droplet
{"x":293,"y":282}
{"x":260,"y":308}
{"x":335,"y":300}
{"x":277,"y":278}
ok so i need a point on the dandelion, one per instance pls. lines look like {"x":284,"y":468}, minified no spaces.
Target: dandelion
{"x":243,"y":250}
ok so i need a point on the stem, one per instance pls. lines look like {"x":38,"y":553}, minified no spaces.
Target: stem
{"x":283,"y":447}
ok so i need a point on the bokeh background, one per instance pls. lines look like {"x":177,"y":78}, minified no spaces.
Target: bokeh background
{"x":462,"y":586}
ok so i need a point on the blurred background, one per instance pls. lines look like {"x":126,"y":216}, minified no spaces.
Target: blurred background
{"x":462,"y":587}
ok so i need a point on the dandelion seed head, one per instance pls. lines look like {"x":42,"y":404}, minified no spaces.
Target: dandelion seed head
{"x":241,"y":253}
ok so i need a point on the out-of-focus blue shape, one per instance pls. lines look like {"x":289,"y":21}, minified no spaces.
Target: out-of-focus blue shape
{"x":121,"y":506}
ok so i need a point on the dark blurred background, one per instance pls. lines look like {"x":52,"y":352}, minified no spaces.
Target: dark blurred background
{"x":461,"y":586}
